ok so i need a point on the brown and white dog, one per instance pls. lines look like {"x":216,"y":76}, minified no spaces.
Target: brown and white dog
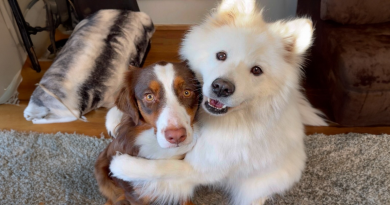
{"x":157,"y":106}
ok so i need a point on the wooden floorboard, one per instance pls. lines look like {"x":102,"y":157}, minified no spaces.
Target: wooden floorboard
{"x":333,"y":130}
{"x":165,"y":44}
{"x":12,"y":118}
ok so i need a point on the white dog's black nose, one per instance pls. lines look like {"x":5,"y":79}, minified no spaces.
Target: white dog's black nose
{"x":222,"y":87}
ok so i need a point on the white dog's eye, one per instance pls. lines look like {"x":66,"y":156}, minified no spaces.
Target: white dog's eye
{"x":221,"y":56}
{"x":256,"y":70}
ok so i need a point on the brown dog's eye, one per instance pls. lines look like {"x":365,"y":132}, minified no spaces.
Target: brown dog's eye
{"x":149,"y":97}
{"x":221,"y":56}
{"x":187,"y":93}
{"x":256,"y":71}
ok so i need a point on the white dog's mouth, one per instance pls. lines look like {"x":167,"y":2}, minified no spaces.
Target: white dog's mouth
{"x":215,"y":107}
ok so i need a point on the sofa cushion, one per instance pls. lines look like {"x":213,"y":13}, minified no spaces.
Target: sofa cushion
{"x":355,"y":108}
{"x":361,"y":56}
{"x":359,"y":60}
{"x":356,"y":11}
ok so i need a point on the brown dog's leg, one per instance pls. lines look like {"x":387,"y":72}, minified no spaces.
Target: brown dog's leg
{"x":188,"y":202}
{"x":121,"y":200}
{"x":106,"y":185}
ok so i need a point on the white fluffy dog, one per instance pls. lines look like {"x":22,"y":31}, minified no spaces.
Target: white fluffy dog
{"x":250,"y":131}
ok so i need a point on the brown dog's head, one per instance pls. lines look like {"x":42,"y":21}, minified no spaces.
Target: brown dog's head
{"x":166,"y":97}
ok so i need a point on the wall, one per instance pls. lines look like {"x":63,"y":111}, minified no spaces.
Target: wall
{"x":176,"y":11}
{"x":35,"y":15}
{"x":12,"y":55}
{"x":278,"y":9}
{"x":12,"y":51}
{"x":193,"y":11}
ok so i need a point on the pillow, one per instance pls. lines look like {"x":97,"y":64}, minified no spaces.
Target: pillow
{"x":88,"y":71}
{"x":356,"y":11}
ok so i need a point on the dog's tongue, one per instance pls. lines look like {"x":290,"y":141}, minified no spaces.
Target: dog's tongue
{"x":216,"y":103}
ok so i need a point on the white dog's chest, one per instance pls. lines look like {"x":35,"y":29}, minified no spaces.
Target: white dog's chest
{"x":241,"y":150}
{"x":219,"y":153}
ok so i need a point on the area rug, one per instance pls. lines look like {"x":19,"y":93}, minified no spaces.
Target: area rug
{"x":57,"y":168}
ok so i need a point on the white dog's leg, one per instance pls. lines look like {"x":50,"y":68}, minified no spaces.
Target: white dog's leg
{"x":254,"y":189}
{"x":113,"y":119}
{"x":131,"y":168}
{"x":172,"y":179}
{"x":261,"y":201}
{"x":168,"y":191}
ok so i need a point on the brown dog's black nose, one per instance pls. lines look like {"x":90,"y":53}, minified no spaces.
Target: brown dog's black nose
{"x":222,"y":87}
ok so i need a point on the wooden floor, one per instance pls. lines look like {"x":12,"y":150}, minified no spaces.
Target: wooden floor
{"x":165,"y":44}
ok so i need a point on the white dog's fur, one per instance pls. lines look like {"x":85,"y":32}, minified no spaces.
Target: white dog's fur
{"x":256,"y":149}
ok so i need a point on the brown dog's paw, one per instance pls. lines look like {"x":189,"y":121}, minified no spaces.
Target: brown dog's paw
{"x":122,"y":202}
{"x":108,"y":202}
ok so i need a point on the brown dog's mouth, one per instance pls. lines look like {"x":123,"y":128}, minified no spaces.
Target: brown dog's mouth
{"x":215,"y":107}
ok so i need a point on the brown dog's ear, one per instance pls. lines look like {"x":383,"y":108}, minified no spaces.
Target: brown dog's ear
{"x":126,"y":101}
{"x":185,"y":64}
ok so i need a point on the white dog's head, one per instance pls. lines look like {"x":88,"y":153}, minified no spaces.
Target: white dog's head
{"x":238,"y":57}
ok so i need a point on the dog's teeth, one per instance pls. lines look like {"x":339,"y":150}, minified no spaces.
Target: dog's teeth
{"x":224,"y":106}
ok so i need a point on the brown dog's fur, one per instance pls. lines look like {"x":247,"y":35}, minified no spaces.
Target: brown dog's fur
{"x":133,"y":122}
{"x":118,"y":191}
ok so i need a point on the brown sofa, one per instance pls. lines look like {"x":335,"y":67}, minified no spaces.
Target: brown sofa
{"x":352,"y":53}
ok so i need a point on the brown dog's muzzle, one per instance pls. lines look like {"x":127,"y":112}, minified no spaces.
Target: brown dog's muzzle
{"x":175,"y":136}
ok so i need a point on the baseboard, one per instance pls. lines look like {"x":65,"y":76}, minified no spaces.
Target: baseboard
{"x":173,"y":27}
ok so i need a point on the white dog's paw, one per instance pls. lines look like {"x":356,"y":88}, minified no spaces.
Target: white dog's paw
{"x":113,"y":119}
{"x":125,"y":167}
{"x":111,"y":129}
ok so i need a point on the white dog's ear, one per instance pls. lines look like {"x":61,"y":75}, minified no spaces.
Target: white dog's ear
{"x":238,"y":13}
{"x":297,"y":34}
{"x":239,"y":6}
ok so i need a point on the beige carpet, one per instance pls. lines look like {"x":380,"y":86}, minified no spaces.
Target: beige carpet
{"x":58,"y":169}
